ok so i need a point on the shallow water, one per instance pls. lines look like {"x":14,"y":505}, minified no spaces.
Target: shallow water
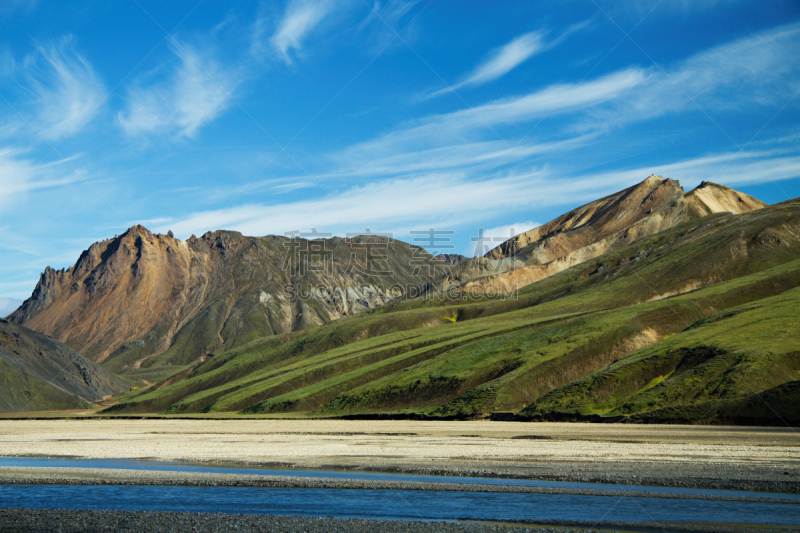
{"x":394,"y":504}
{"x":164,"y":466}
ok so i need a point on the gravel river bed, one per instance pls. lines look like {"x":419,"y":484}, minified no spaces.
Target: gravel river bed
{"x":762,"y":462}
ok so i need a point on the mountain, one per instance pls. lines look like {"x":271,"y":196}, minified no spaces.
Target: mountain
{"x":648,"y":305}
{"x":695,"y":323}
{"x":651,"y":206}
{"x":143,"y":301}
{"x":611,"y":223}
{"x":38,"y":373}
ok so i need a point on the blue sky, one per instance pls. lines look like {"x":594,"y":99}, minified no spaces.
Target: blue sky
{"x":268,"y":117}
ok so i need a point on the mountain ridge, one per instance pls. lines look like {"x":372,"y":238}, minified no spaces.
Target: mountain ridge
{"x":139,"y":295}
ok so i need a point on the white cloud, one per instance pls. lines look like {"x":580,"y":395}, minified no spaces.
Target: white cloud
{"x":556,"y":99}
{"x":360,"y":161}
{"x":731,"y":169}
{"x":197,"y":92}
{"x":758,"y":70}
{"x":383,"y":22}
{"x":391,"y":11}
{"x":763,"y":72}
{"x":505,"y":59}
{"x":445,"y":167}
{"x":19,"y":175}
{"x":501,"y":61}
{"x":393,"y":203}
{"x":8,"y":306}
{"x":299,"y":20}
{"x":65,"y":91}
{"x":765,"y":64}
{"x":439,"y":200}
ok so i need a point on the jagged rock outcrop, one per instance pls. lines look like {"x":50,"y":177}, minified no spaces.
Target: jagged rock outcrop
{"x":39,"y":373}
{"x":611,"y":223}
{"x":141,"y":295}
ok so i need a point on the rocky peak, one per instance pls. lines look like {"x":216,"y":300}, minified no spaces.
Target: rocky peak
{"x":138,"y":231}
{"x":134,"y":296}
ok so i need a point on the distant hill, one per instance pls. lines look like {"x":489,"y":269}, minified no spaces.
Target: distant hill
{"x":143,"y":300}
{"x":38,"y":373}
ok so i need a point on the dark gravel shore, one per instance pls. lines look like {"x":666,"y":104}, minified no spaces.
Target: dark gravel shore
{"x":152,"y":522}
{"x":47,"y":520}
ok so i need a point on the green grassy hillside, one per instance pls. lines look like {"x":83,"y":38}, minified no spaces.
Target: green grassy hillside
{"x":675,"y":320}
{"x":734,"y":354}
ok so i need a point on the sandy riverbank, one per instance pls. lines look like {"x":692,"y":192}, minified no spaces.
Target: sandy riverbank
{"x":700,"y":456}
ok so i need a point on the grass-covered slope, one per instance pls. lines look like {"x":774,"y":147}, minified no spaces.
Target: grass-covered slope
{"x":461,"y":355}
{"x":38,"y":373}
{"x":734,"y":354}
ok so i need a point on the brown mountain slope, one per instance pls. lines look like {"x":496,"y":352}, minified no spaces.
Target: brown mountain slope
{"x":605,"y":225}
{"x":39,"y":373}
{"x":141,"y":295}
{"x":662,"y":200}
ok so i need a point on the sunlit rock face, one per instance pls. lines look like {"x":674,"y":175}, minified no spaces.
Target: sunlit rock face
{"x":142,"y":295}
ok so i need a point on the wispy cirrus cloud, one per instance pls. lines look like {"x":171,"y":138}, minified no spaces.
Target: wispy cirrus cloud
{"x":447,"y":163}
{"x":299,"y":20}
{"x":440,"y":199}
{"x":500,"y":62}
{"x":197,"y":91}
{"x":506,"y":58}
{"x":478,"y":156}
{"x":20,"y":174}
{"x":384,"y":20}
{"x":61,"y":89}
{"x":759,"y":69}
{"x":393,"y":10}
{"x":392,"y":204}
{"x":754,"y":71}
{"x":554,"y":100}
{"x":764,"y":73}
